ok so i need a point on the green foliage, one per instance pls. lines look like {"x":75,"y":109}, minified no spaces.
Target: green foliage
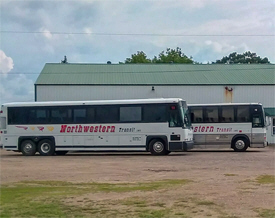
{"x":139,"y":57}
{"x":245,"y":58}
{"x":170,"y":56}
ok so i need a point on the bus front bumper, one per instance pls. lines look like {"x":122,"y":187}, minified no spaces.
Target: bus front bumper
{"x":181,"y":146}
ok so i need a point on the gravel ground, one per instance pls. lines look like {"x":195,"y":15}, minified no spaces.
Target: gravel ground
{"x":225,"y":177}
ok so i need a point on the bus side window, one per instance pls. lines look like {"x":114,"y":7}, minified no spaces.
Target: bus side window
{"x":197,"y":115}
{"x":243,"y":114}
{"x":130,"y":114}
{"x":192,"y":117}
{"x":79,"y":115}
{"x":211,"y":114}
{"x":227,"y":114}
{"x":154,"y":113}
{"x":107,"y":114}
{"x":61,"y":115}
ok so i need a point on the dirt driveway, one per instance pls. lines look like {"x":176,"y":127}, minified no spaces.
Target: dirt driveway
{"x":223,"y":177}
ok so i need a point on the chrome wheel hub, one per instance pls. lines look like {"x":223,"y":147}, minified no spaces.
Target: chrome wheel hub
{"x":45,"y":147}
{"x":28,"y":148}
{"x":240,"y":144}
{"x":158,"y":147}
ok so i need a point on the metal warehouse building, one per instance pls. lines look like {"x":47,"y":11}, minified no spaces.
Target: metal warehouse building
{"x":211,"y":83}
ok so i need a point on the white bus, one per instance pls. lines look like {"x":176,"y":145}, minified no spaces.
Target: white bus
{"x":155,"y":125}
{"x":228,"y":125}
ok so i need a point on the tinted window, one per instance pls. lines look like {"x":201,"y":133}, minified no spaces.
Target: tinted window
{"x":211,"y":115}
{"x":17,"y":116}
{"x":175,"y":119}
{"x":243,"y":114}
{"x":84,"y":115}
{"x":61,"y":115}
{"x":257,"y":120}
{"x":257,"y":116}
{"x":25,"y":115}
{"x":80,"y":115}
{"x":196,"y":115}
{"x":155,"y":113}
{"x":107,"y":114}
{"x":130,"y":114}
{"x":38,"y":116}
{"x":227,"y":114}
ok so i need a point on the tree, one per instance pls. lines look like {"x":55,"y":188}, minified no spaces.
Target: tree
{"x":172,"y":56}
{"x":245,"y":58}
{"x":140,"y":57}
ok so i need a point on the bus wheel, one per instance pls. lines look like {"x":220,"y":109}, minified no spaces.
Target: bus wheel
{"x":240,"y":144}
{"x":46,"y":147}
{"x":59,"y":153}
{"x":28,"y":148}
{"x":157,"y":147}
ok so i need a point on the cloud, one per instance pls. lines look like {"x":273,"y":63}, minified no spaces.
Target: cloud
{"x":16,"y":87}
{"x":46,"y":33}
{"x":6,"y":63}
{"x":13,"y":86}
{"x":88,"y":30}
{"x":210,"y":50}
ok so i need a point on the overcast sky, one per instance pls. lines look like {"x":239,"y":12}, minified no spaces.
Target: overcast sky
{"x":37,"y":32}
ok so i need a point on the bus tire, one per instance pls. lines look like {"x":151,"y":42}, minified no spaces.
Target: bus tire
{"x":240,"y":144}
{"x":28,"y":148}
{"x":61,"y":153}
{"x":46,"y":147}
{"x":157,"y":147}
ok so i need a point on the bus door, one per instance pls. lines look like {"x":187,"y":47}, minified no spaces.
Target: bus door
{"x":258,"y":128}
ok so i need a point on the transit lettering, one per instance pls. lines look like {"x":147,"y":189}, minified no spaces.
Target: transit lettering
{"x":86,"y":128}
{"x":204,"y":129}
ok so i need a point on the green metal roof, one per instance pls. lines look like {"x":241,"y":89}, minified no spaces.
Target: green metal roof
{"x":269,"y":111}
{"x":157,"y":74}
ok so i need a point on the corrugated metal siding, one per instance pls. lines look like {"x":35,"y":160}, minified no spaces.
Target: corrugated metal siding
{"x":156,"y":74}
{"x":192,"y":94}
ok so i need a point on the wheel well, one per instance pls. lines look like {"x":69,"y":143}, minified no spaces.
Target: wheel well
{"x":158,"y":137}
{"x":240,"y":137}
{"x":35,"y":139}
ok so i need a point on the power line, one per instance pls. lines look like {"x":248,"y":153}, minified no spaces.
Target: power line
{"x":135,"y":34}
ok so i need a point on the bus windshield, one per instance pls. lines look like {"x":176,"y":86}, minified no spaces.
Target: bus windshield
{"x":185,"y":115}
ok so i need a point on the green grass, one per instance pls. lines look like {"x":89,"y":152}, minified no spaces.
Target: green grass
{"x":46,"y":198}
{"x":266,"y":179}
{"x":138,"y":200}
{"x":207,"y":203}
{"x":230,"y":174}
{"x":147,"y":213}
{"x":265,"y":213}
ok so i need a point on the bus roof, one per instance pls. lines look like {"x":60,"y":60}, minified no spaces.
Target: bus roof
{"x":97,"y":102}
{"x":224,"y":104}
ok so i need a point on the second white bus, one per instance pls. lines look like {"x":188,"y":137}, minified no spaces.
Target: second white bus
{"x":155,"y":125}
{"x":228,"y":125}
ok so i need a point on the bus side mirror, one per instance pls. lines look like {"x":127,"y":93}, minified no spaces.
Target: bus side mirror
{"x":268,"y":121}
